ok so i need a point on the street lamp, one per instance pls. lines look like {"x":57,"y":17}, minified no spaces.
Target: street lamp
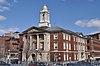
{"x":8,"y":56}
{"x":20,"y":55}
{"x":70,"y":59}
{"x":36,"y":54}
{"x":93,"y":54}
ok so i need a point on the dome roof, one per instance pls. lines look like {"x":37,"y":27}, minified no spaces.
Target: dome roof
{"x":45,"y":8}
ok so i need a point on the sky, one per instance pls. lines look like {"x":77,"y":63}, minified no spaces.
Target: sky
{"x":75,"y":15}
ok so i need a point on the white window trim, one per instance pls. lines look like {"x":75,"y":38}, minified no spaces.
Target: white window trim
{"x":64,"y":36}
{"x":55,"y":36}
{"x":56,"y":45}
{"x":67,"y":57}
{"x":67,"y":45}
{"x":64,"y":45}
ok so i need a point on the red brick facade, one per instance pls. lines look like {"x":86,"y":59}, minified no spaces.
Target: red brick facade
{"x":94,"y":46}
{"x":70,"y":52}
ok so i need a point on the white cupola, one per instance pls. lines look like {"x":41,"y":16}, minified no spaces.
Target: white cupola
{"x":44,"y":17}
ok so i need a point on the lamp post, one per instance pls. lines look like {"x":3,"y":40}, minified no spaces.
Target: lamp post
{"x":36,"y":54}
{"x":20,"y":55}
{"x":8,"y":56}
{"x":70,"y":59}
{"x":93,"y":54}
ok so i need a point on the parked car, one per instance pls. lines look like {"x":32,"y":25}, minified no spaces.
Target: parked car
{"x":84,"y":63}
{"x":4,"y":64}
{"x":57,"y":64}
{"x":72,"y":64}
{"x":41,"y":64}
{"x":32,"y":64}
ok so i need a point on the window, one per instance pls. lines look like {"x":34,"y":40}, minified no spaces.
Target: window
{"x":74,"y":56}
{"x":55,"y":57}
{"x":64,"y":45}
{"x":55,"y":45}
{"x":67,"y":56}
{"x":78,"y":39}
{"x":69,"y":37}
{"x":87,"y":41}
{"x":67,"y":45}
{"x":55,"y":36}
{"x":74,"y":47}
{"x":41,"y":46}
{"x":64,"y":57}
{"x":64,"y":36}
{"x":74,"y":38}
{"x":82,"y":55}
{"x":77,"y":46}
{"x":81,"y":46}
{"x":43,"y":15}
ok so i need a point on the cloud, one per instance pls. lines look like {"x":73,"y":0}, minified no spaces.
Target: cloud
{"x":8,"y":30}
{"x":15,"y":1}
{"x":4,"y":8}
{"x":2,"y":2}
{"x":94,"y":32}
{"x":2,"y":18}
{"x":88,"y":23}
{"x":6,"y":4}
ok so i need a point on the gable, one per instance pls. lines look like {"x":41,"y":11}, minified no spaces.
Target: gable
{"x":33,"y":30}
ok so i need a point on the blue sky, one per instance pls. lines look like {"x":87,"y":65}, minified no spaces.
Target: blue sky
{"x":75,"y":15}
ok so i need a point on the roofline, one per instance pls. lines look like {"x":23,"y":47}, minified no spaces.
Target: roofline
{"x":35,"y":28}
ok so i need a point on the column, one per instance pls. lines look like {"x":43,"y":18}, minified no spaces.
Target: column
{"x":45,"y":42}
{"x":38,"y":41}
{"x":24,"y":48}
{"x":31,"y":46}
{"x":30,"y":49}
{"x":24,"y":39}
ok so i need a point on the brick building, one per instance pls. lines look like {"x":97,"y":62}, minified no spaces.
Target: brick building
{"x":3,"y":46}
{"x":9,"y":47}
{"x":48,"y":43}
{"x":93,"y":42}
{"x":66,"y":45}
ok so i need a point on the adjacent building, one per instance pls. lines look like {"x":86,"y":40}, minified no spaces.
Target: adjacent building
{"x":9,"y":47}
{"x":93,"y":42}
{"x":3,"y":47}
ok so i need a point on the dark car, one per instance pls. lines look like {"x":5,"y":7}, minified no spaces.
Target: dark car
{"x":59,"y":64}
{"x":32,"y":64}
{"x":4,"y":64}
{"x":40,"y":64}
{"x":72,"y":64}
{"x":84,"y":63}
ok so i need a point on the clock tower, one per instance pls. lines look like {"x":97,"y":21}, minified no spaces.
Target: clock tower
{"x":44,"y":17}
